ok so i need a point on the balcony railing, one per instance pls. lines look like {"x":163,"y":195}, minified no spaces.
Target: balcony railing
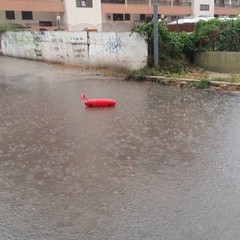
{"x":146,"y":2}
{"x":234,"y":5}
{"x":141,"y":2}
{"x":183,"y":4}
{"x":41,"y":0}
{"x":175,"y":3}
{"x":32,"y":5}
{"x":113,"y":1}
{"x":163,"y":3}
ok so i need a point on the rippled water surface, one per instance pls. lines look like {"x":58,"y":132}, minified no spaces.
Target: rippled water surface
{"x":163,"y":164}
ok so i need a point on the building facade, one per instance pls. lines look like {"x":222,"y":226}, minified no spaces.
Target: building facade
{"x":106,"y":15}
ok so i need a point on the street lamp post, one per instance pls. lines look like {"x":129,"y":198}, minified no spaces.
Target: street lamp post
{"x":155,"y":32}
{"x":58,"y":23}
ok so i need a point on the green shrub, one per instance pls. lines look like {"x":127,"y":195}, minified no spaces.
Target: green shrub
{"x":217,"y":35}
{"x":8,"y":26}
{"x":176,"y":49}
{"x":233,"y":78}
{"x":172,"y":47}
{"x":203,"y":83}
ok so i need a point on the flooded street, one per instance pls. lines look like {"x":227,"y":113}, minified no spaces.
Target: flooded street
{"x":164,"y":164}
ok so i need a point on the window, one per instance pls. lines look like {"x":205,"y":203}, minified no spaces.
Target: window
{"x":204,"y":7}
{"x":149,"y":19}
{"x":10,"y":15}
{"x":27,"y":15}
{"x":121,"y":17}
{"x":127,"y":17}
{"x":142,"y":17}
{"x":117,"y":17}
{"x":45,"y":23}
{"x":84,"y":3}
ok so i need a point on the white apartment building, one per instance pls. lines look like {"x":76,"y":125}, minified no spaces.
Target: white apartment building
{"x":106,"y":15}
{"x":203,"y":8}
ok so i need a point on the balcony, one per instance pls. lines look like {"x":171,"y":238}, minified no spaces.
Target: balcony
{"x":32,"y":5}
{"x":146,"y":2}
{"x":145,"y":7}
{"x":227,"y":5}
{"x":182,"y":4}
{"x":227,"y":9}
{"x":113,"y":1}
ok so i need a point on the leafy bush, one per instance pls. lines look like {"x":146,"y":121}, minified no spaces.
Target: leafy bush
{"x":173,"y":47}
{"x":176,"y":49}
{"x":8,"y":26}
{"x":217,"y":35}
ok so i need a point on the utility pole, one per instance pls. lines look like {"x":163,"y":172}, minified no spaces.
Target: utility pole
{"x":155,"y":32}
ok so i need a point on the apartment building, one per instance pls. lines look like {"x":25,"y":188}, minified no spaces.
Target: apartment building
{"x":106,"y":15}
{"x":32,"y":14}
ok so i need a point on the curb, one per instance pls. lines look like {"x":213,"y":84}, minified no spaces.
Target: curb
{"x":187,"y":81}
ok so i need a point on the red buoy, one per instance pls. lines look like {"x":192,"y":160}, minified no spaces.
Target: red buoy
{"x":98,"y":102}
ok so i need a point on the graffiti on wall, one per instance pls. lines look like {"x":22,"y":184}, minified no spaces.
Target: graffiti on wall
{"x":114,"y":45}
{"x":76,"y":47}
{"x":78,"y":51}
{"x":36,"y":44}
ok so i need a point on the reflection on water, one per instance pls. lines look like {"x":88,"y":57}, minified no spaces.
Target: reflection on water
{"x":162,"y":164}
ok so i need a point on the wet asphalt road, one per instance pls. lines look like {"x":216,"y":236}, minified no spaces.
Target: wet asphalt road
{"x":163,"y":164}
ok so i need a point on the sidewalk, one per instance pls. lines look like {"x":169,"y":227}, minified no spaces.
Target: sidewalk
{"x":217,"y":81}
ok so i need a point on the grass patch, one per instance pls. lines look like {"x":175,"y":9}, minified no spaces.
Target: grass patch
{"x":219,"y":79}
{"x":233,"y":78}
{"x":203,"y":83}
{"x":140,"y":75}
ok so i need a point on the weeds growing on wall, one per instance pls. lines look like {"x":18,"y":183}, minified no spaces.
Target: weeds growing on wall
{"x":7,"y":26}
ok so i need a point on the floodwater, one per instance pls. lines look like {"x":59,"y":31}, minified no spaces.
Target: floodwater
{"x":164,"y":164}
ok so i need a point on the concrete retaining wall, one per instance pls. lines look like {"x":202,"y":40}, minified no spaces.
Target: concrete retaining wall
{"x":227,"y":62}
{"x":110,"y":49}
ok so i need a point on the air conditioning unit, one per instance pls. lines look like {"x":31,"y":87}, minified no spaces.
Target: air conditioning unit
{"x":109,"y":17}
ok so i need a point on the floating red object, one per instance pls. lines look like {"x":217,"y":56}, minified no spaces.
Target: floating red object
{"x":98,"y":102}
